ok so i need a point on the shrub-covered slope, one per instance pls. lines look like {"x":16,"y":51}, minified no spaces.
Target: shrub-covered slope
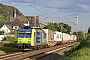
{"x":80,"y":52}
{"x":7,"y":11}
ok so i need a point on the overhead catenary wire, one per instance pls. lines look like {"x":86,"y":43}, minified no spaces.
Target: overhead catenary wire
{"x":32,"y":6}
{"x":39,"y":10}
{"x":70,"y":21}
{"x":44,"y":19}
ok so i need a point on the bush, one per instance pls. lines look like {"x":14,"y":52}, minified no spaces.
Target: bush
{"x":80,"y":51}
{"x":2,"y":32}
{"x":11,"y":45}
{"x":2,"y":43}
{"x":12,"y":40}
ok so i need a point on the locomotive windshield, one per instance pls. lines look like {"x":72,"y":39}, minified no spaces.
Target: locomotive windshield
{"x":28,"y":35}
{"x":21,"y":35}
{"x":24,"y":35}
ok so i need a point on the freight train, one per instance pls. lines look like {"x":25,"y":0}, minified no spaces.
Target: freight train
{"x":42,"y":38}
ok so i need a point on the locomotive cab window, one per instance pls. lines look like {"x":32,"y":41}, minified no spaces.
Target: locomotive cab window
{"x":28,"y":35}
{"x":21,"y":35}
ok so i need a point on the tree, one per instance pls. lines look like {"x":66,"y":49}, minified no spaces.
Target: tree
{"x":80,"y":35}
{"x":61,"y":27}
{"x":50,"y":26}
{"x":89,"y":30}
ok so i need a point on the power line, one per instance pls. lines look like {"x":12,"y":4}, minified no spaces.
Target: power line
{"x":38,"y":10}
{"x":31,"y":6}
{"x":35,"y":8}
{"x":71,"y":21}
{"x":44,"y":19}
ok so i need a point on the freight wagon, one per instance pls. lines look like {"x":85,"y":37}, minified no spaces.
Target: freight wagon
{"x":73,"y":38}
{"x":58,"y":37}
{"x":41,"y":38}
{"x":50,"y":37}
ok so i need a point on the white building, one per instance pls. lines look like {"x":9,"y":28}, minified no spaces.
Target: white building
{"x":5,"y":28}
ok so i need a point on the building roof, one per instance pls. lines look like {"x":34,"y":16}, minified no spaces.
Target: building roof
{"x":1,"y":24}
{"x":15,"y":22}
{"x":20,"y":18}
{"x":23,"y":19}
{"x":9,"y":27}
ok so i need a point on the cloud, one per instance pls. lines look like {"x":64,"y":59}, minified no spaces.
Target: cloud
{"x":85,"y":7}
{"x":54,"y":9}
{"x":58,"y":5}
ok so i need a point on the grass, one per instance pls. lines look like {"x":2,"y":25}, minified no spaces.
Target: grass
{"x":79,"y":52}
{"x":3,"y":19}
{"x":4,"y":50}
{"x":82,"y":54}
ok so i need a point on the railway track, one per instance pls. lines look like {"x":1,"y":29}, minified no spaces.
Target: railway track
{"x":9,"y":55}
{"x":51,"y":50}
{"x":33,"y":55}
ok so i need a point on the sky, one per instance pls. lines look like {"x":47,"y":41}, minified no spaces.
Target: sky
{"x":56,"y":11}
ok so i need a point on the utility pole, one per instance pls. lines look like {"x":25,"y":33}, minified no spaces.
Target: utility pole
{"x":83,"y":29}
{"x":74,"y":23}
{"x":83,"y":32}
{"x":77,"y":24}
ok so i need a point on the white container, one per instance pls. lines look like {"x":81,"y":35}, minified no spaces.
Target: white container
{"x":64,"y":37}
{"x":49,"y":34}
{"x":57,"y":36}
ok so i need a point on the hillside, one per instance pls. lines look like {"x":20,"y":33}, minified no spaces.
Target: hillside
{"x":79,"y":52}
{"x":7,"y":11}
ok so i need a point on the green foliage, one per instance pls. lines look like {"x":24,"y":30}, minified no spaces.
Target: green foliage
{"x":9,"y":38}
{"x":6,"y":11}
{"x":89,"y":30}
{"x":88,"y":36}
{"x":79,"y":52}
{"x":12,"y":40}
{"x":3,"y":19}
{"x":50,"y":26}
{"x":2,"y":32}
{"x":61,"y":27}
{"x":81,"y":35}
{"x":4,"y":50}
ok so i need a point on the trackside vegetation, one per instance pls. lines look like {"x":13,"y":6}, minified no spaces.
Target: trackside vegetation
{"x":8,"y":44}
{"x":4,"y":50}
{"x":79,"y":52}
